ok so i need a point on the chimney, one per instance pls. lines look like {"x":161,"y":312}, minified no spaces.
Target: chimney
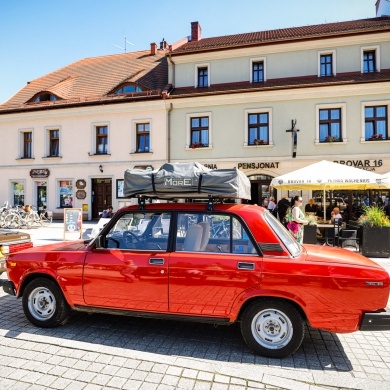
{"x":382,"y":8}
{"x":196,"y":31}
{"x":153,"y":49}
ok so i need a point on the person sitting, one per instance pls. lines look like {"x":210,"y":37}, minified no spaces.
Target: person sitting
{"x":109,"y":213}
{"x":311,"y":207}
{"x":335,"y":216}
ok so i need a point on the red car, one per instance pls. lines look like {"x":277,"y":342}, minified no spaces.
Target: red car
{"x":227,"y":263}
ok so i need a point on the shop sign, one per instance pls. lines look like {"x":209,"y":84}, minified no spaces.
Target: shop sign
{"x":367,"y":165}
{"x":38,"y":173}
{"x":259,"y":165}
{"x":81,"y":194}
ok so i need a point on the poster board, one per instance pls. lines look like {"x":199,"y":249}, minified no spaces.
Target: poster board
{"x":73,"y":223}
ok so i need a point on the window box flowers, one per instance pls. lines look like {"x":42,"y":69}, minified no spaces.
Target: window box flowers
{"x":330,"y":138}
{"x":376,"y":137}
{"x":196,"y":145}
{"x":260,"y":142}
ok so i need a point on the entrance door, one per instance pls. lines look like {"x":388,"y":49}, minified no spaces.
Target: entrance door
{"x":41,"y":196}
{"x":260,"y":189}
{"x":101,"y":195}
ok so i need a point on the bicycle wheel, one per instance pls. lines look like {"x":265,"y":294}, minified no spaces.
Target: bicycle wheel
{"x":45,"y":221}
{"x":12,"y":221}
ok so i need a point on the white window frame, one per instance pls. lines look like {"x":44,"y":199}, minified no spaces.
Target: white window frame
{"x":375,"y":48}
{"x":188,"y":136}
{"x":363,"y":117}
{"x":21,"y":142}
{"x":334,"y":62}
{"x":94,"y":125}
{"x":257,"y":59}
{"x":205,"y":65}
{"x":134,"y":124}
{"x":343,"y":108}
{"x":261,"y":110}
{"x":47,"y":141}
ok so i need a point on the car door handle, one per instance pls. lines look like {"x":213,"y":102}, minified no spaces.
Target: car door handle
{"x":156,"y":261}
{"x":250,"y":266}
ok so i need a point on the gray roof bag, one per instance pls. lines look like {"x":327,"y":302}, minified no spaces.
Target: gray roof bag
{"x":187,"y":180}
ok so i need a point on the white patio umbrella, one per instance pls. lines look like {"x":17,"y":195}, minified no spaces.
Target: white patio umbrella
{"x":326,"y":175}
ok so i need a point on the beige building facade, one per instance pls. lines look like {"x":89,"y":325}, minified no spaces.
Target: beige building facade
{"x":267,"y":103}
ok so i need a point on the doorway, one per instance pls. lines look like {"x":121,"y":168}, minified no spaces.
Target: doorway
{"x":101,"y":196}
{"x":260,"y":189}
{"x":41,"y":196}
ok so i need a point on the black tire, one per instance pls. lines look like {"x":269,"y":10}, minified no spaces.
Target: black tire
{"x":272,"y":328}
{"x":44,"y":304}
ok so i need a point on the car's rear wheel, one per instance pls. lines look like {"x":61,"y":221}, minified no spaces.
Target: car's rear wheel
{"x":44,"y":304}
{"x":272,"y":328}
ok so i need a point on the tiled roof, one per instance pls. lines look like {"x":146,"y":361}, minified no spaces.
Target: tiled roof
{"x":321,"y":31}
{"x":285,"y":83}
{"x":92,"y":79}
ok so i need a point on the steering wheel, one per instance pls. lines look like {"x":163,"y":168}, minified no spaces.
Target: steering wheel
{"x":128,"y":237}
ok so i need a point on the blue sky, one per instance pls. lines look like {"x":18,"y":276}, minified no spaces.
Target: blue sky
{"x":40,"y":36}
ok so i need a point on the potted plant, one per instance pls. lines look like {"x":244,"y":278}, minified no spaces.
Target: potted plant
{"x":376,"y":137}
{"x":310,"y":230}
{"x":260,"y":142}
{"x":375,"y":232}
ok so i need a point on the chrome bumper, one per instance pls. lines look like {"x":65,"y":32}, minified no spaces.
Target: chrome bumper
{"x":8,"y":287}
{"x":376,"y":321}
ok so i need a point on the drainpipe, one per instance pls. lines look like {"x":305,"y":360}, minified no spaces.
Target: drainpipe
{"x":173,"y":69}
{"x":170,"y":106}
{"x":169,"y":132}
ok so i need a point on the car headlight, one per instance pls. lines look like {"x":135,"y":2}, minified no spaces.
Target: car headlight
{"x":4,"y":250}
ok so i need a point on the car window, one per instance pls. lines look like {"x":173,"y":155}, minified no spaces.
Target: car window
{"x":293,"y":247}
{"x":208,"y":232}
{"x":140,"y":230}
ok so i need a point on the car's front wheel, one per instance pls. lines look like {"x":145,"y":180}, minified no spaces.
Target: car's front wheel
{"x":44,"y":304}
{"x":272,"y":328}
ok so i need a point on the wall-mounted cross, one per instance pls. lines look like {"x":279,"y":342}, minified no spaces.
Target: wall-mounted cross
{"x":294,"y":135}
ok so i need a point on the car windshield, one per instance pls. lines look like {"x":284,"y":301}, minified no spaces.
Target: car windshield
{"x":293,"y":247}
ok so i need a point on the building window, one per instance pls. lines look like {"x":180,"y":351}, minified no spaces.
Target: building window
{"x":143,"y":137}
{"x":54,"y":143}
{"x":18,"y":193}
{"x":375,"y":123}
{"x":330,"y":125}
{"x":101,"y":140}
{"x":66,"y":193}
{"x":369,"y":63}
{"x":258,"y":72}
{"x":44,"y":97}
{"x":27,"y":144}
{"x":199,"y":132}
{"x":203,"y":77}
{"x":258,"y":128}
{"x":326,"y":65}
{"x":127,"y":88}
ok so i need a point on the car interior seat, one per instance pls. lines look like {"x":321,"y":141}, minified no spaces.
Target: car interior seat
{"x":205,"y":235}
{"x":193,"y":238}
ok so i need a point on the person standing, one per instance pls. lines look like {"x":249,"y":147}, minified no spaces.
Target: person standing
{"x":296,"y":219}
{"x":272,"y":205}
{"x":283,"y":206}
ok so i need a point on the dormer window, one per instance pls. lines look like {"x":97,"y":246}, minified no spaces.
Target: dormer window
{"x":44,"y":97}
{"x":127,"y":88}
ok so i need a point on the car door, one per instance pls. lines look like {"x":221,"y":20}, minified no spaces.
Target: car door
{"x":206,"y":278}
{"x":130,"y":271}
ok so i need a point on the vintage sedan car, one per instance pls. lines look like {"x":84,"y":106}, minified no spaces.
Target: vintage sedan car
{"x":222,"y":264}
{"x":12,"y":241}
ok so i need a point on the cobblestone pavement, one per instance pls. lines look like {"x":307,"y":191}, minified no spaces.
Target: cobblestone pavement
{"x":111,"y":352}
